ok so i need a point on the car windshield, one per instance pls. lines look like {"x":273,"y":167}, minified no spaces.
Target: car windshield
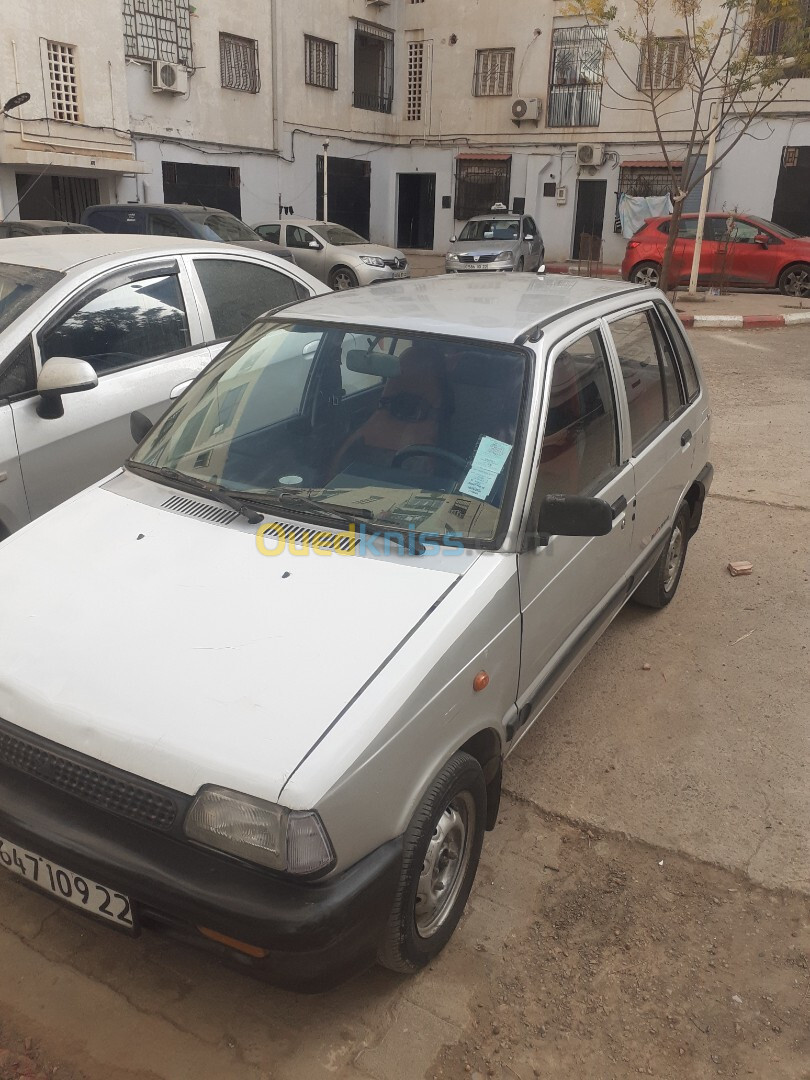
{"x":20,"y":286}
{"x":771,"y":226}
{"x":338,"y":235}
{"x":491,"y":229}
{"x":224,"y":226}
{"x":401,"y":432}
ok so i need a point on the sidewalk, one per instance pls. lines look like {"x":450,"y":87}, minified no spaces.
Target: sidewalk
{"x":734,"y":311}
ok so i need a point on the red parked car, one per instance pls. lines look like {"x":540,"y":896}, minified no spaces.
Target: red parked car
{"x":737,"y":249}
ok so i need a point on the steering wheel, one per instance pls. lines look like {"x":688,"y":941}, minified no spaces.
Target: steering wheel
{"x":429,"y":451}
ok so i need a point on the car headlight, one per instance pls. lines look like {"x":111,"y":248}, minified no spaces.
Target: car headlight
{"x":259,"y":831}
{"x":371,"y":260}
{"x":451,"y":257}
{"x":508,"y":255}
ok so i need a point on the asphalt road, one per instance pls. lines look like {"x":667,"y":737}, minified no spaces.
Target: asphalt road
{"x":644,"y":905}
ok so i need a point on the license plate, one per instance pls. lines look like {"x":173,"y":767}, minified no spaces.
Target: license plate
{"x":400,"y":273}
{"x":73,"y":888}
{"x":475,"y":266}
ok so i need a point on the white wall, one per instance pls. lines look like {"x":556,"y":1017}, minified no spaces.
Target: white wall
{"x":746,"y":179}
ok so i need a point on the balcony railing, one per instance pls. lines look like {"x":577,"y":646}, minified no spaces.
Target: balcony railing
{"x":574,"y":106}
{"x":372,"y":102}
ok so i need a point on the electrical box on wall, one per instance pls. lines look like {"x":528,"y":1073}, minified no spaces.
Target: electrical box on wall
{"x":562,"y":195}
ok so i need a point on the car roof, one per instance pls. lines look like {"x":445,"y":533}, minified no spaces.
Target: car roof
{"x":303,"y":221}
{"x":493,"y":307}
{"x":495,"y":214}
{"x":44,"y":222}
{"x":182,"y":207}
{"x":65,"y":251}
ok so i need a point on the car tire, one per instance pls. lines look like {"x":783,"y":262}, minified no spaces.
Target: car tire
{"x":442,"y":846}
{"x":341,"y":278}
{"x":661,"y":584}
{"x":520,"y":265}
{"x":795,"y":280}
{"x":646,"y":273}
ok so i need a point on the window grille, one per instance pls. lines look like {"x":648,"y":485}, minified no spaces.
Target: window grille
{"x":416,"y":57}
{"x":158,"y":30}
{"x":644,"y":180}
{"x":781,"y":37}
{"x":62,"y":79}
{"x":493,"y":72}
{"x":373,"y":67}
{"x":480,"y":184}
{"x":239,"y":63}
{"x":662,"y":64}
{"x":577,"y":68}
{"x":320,"y":62}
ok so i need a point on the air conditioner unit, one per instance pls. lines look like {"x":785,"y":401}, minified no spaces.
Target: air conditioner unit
{"x":169,"y":78}
{"x":562,"y":195}
{"x":590,"y":153}
{"x":527,"y":108}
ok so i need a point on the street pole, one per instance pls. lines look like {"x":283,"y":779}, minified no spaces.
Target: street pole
{"x":714,"y":118}
{"x":326,"y":180}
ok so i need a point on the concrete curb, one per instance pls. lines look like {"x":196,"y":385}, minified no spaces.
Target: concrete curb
{"x":743,"y":322}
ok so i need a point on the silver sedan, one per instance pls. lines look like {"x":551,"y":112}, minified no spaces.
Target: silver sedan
{"x":496,"y":242}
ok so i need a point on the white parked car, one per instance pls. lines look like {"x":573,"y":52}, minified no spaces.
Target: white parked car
{"x":335,"y":254}
{"x":258,"y":687}
{"x":123,"y":319}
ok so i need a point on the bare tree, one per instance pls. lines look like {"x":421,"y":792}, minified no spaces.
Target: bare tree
{"x":734,"y":57}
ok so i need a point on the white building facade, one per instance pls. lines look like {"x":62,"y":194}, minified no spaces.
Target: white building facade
{"x":418,"y":100}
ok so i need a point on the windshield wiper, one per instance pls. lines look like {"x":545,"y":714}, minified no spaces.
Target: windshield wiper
{"x":292,"y":498}
{"x":211,"y":490}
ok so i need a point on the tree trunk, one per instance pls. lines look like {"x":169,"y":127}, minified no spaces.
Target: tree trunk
{"x":674,"y":222}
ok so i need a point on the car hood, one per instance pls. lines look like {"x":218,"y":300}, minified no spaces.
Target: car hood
{"x":482,"y":247}
{"x":378,"y":251}
{"x":169,"y":647}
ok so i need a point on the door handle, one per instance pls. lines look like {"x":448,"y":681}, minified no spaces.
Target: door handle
{"x":618,"y":507}
{"x":686,"y":438}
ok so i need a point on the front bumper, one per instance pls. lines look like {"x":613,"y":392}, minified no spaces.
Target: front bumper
{"x":315,"y":934}
{"x":479,"y":268}
{"x":375,"y":275}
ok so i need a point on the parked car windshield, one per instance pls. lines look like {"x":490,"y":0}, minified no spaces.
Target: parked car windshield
{"x":770,"y":226}
{"x":20,"y":287}
{"x":492,"y":229}
{"x":401,"y":432}
{"x":338,"y":235}
{"x":224,"y":226}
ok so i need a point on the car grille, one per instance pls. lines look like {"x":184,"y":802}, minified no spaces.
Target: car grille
{"x":478,"y":258}
{"x":88,"y":780}
{"x":396,"y":264}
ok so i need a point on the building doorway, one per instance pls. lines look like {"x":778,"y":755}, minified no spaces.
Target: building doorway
{"x":55,"y":198}
{"x":349,"y":192}
{"x":589,"y":219}
{"x":416,"y":210}
{"x":203,"y":185}
{"x":790,"y":205}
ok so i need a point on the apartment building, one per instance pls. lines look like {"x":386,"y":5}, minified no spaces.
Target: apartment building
{"x":430,"y":112}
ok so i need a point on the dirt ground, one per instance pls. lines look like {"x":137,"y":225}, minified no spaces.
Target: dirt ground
{"x":643,"y":907}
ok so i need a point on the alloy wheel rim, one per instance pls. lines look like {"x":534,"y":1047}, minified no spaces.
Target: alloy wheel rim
{"x":648,"y":276}
{"x":444,"y":869}
{"x":798,"y":283}
{"x":343,"y":281}
{"x":674,"y":556}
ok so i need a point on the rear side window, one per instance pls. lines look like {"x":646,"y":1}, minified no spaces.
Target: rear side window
{"x":687,"y":364}
{"x":237,"y":292}
{"x":638,"y":358}
{"x":113,"y":220}
{"x":270,"y":232}
{"x":162,"y":224}
{"x":127,"y":325}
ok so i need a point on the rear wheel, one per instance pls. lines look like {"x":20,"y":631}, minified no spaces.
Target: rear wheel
{"x":660,"y":585}
{"x":342,"y":278}
{"x":646,"y":273}
{"x":441,"y":852}
{"x":795,"y":280}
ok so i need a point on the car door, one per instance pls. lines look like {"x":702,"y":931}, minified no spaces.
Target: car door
{"x":140,"y":329}
{"x":571,"y":585}
{"x":311,"y":259}
{"x":753,"y":256}
{"x":662,"y":444}
{"x":684,"y":250}
{"x":17,"y":378}
{"x":534,"y":253}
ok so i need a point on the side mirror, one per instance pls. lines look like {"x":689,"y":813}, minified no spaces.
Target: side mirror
{"x":452,"y":239}
{"x":314,"y":244}
{"x":541,"y":269}
{"x":572,"y":515}
{"x":762,"y":240}
{"x":62,"y":375}
{"x":529,"y":237}
{"x":139,"y":425}
{"x":180,"y":389}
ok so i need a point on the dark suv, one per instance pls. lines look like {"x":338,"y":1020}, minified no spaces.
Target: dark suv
{"x":179,"y":219}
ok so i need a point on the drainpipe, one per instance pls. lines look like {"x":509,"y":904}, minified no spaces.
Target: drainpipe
{"x":275,"y":55}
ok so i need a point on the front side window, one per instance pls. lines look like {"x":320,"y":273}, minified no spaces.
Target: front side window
{"x":238,"y":291}
{"x":126,"y":325}
{"x":166,"y":225}
{"x":395,"y":431}
{"x":577,"y":69}
{"x":298,"y":237}
{"x":650,"y":380}
{"x":580,"y":450}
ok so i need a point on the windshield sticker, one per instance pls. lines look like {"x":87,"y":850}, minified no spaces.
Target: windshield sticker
{"x":486,"y":467}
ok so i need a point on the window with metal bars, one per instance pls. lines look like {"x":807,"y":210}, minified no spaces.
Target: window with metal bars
{"x":480,"y":184}
{"x":62,"y":80}
{"x":781,"y":37}
{"x":239,"y":63}
{"x":493,"y":72}
{"x":577,"y":68}
{"x":373,"y":67}
{"x":158,"y":30}
{"x":416,"y":59}
{"x":320,"y":62}
{"x":662,"y":65}
{"x":644,"y":180}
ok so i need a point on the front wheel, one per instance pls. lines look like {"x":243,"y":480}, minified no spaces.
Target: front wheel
{"x":342,"y":278}
{"x":440,"y":857}
{"x":646,"y":273}
{"x":795,"y":280}
{"x":659,"y":586}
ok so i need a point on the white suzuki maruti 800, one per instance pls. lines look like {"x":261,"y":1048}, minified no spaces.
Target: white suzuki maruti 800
{"x":258,"y":686}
